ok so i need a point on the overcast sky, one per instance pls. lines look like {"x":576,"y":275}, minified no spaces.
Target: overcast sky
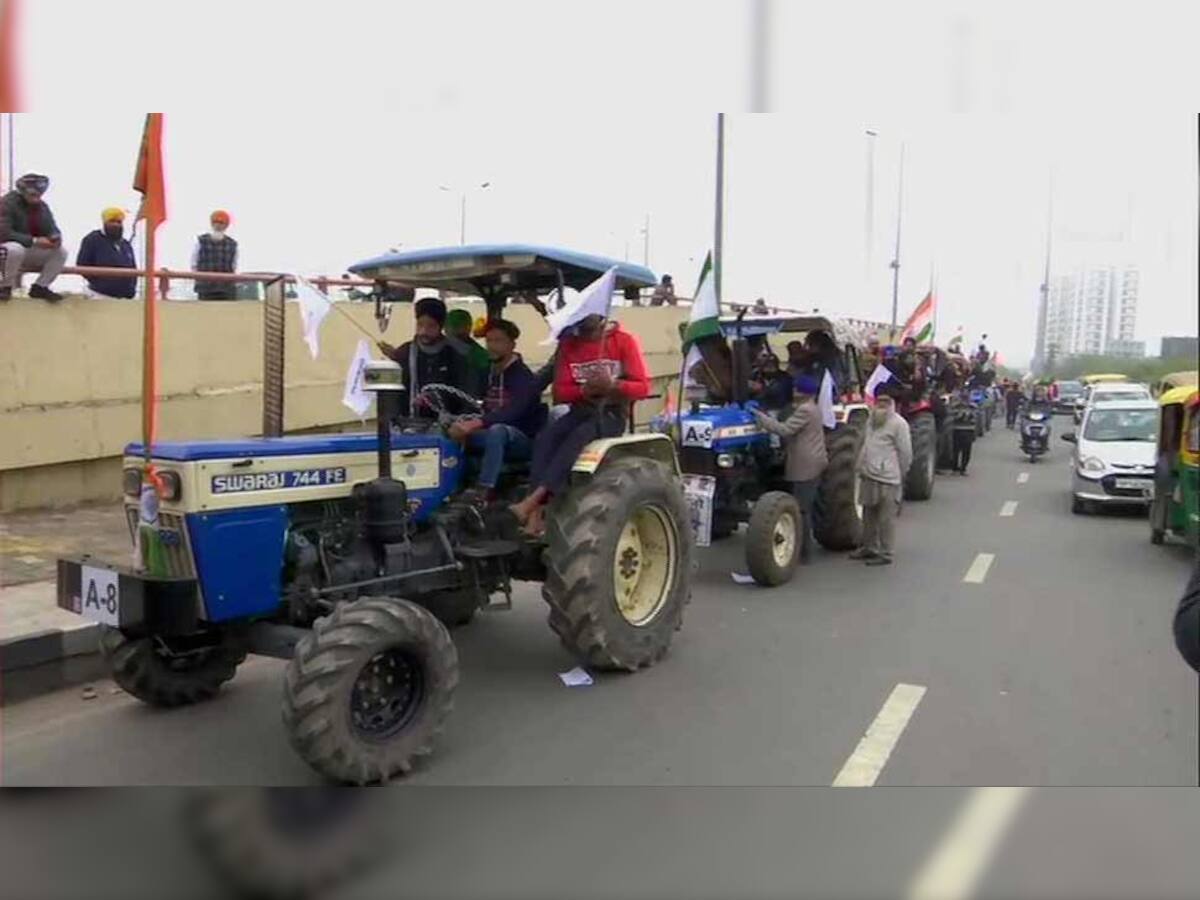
{"x":326,"y":130}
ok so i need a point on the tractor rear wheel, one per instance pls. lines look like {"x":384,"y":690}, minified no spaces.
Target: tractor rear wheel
{"x":368,"y":689}
{"x":918,"y":484}
{"x":773,"y":539}
{"x":837,"y":521}
{"x":159,"y":674}
{"x":618,"y":565}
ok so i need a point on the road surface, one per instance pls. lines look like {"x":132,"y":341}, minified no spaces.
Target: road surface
{"x":1011,"y":643}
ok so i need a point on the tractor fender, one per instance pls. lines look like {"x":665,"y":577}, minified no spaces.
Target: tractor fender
{"x":658,"y":447}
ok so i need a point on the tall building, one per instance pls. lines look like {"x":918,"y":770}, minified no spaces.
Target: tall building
{"x":1093,"y":311}
{"x":1180,"y":348}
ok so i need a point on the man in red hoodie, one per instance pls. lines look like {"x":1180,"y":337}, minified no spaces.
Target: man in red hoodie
{"x":599,"y":372}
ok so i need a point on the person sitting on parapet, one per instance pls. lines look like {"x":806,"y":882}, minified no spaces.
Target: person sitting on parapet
{"x":513,"y":409}
{"x":429,"y":359}
{"x":108,"y":247}
{"x":30,"y":239}
{"x":599,"y":372}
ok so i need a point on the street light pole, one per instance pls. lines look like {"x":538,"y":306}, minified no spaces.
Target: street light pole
{"x":719,"y":208}
{"x":896,"y":259}
{"x":462,"y":209}
{"x":870,"y":225}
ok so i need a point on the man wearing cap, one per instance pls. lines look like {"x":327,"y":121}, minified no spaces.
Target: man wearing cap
{"x":215,"y":251}
{"x":429,"y":359}
{"x":513,"y":409}
{"x":806,"y":454}
{"x":30,"y":239}
{"x":107,"y":247}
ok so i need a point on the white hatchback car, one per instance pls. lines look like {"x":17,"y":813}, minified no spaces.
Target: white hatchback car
{"x":1108,"y":390}
{"x":1113,"y":462}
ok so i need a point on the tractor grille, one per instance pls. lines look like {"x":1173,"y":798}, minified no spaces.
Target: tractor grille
{"x":698,"y":461}
{"x":172,"y":531}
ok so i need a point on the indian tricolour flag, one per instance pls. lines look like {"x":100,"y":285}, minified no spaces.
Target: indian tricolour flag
{"x":704,"y":320}
{"x":920,"y":323}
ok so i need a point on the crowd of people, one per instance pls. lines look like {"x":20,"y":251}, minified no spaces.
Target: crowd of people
{"x":596,"y":373}
{"x":31,"y":242}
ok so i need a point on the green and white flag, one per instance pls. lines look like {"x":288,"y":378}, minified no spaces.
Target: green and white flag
{"x":703,"y":321}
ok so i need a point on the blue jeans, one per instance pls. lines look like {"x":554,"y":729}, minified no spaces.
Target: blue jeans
{"x":498,"y":442}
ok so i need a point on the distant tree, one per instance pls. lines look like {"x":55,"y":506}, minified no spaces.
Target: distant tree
{"x":1145,"y":369}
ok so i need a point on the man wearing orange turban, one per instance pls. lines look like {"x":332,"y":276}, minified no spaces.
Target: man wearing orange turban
{"x":215,"y":251}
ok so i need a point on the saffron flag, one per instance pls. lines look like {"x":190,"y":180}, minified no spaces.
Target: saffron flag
{"x":920,"y":323}
{"x":9,"y":89}
{"x":148,"y":179}
{"x":595,"y":300}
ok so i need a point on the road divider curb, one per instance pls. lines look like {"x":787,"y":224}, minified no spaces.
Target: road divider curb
{"x":45,"y":661}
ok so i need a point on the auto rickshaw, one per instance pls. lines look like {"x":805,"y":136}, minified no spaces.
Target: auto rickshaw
{"x":1176,"y":506}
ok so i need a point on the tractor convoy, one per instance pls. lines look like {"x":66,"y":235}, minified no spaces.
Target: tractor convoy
{"x":352,"y":556}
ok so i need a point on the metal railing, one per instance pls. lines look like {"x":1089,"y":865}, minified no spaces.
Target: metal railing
{"x":165,"y":276}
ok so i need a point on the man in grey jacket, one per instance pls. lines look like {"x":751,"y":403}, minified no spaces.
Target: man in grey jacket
{"x":806,"y":455}
{"x":882,"y":464}
{"x":30,"y":239}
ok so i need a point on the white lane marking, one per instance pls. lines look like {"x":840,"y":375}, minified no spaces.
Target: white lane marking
{"x":1009,"y":508}
{"x":979,"y":568}
{"x":871,"y":754}
{"x":1022,"y":478}
{"x":952,"y":871}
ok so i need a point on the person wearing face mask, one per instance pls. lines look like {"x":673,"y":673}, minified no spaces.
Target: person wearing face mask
{"x":107,"y":247}
{"x":215,"y":251}
{"x":429,"y":359}
{"x":883,"y":462}
{"x":30,"y":239}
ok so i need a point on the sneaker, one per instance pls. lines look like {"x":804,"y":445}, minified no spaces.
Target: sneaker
{"x":862,"y":553}
{"x":879,"y":561}
{"x":37,"y":292}
{"x":5,"y":293}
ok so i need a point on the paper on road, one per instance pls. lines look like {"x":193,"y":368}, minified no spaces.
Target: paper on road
{"x":739,"y":578}
{"x":577,"y":677}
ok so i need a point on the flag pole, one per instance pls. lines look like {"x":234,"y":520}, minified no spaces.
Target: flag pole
{"x":720,"y":208}
{"x":896,"y":258}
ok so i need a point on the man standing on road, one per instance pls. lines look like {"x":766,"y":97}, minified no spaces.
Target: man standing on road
{"x":962,"y":420}
{"x":882,"y":464}
{"x":30,"y":239}
{"x":806,"y":454}
{"x":1012,"y":403}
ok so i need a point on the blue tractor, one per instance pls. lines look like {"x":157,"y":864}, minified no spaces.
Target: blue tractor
{"x":350,"y":554}
{"x":733,"y":469}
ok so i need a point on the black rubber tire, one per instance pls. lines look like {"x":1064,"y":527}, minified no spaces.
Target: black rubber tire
{"x":1080,"y":506}
{"x":287,"y":842}
{"x":582,"y":531}
{"x":837,"y":525}
{"x":320,"y":677}
{"x":760,"y":538}
{"x":139,"y":670}
{"x":918,"y":483}
{"x":1158,"y":535}
{"x":452,"y":608}
{"x":945,"y":449}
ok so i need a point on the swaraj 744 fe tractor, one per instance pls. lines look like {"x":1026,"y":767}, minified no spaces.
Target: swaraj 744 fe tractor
{"x":349,"y":554}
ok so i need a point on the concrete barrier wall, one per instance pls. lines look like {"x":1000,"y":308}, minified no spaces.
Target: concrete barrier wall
{"x":70,"y":381}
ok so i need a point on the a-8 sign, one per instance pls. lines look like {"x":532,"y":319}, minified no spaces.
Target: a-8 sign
{"x":99,"y":595}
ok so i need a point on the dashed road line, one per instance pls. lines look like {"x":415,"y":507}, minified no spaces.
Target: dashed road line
{"x":871,"y":755}
{"x":1022,"y":477}
{"x":979,"y":568}
{"x":952,"y":871}
{"x":1009,"y":508}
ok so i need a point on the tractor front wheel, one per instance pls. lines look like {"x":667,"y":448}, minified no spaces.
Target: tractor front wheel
{"x":773,"y":539}
{"x":159,"y":673}
{"x":618,"y":565}
{"x":918,"y":484}
{"x":368,"y":690}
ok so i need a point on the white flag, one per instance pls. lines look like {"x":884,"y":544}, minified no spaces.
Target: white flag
{"x":881,"y":374}
{"x":595,"y":300}
{"x":354,"y":396}
{"x":314,"y":307}
{"x":825,"y":401}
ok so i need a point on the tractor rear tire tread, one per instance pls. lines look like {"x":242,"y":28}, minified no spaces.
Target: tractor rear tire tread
{"x":141,"y":672}
{"x":918,"y":483}
{"x":837,"y":524}
{"x":581,"y":534}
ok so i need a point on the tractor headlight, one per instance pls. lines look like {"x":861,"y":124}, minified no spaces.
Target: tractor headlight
{"x":1091,"y":464}
{"x":725,"y":461}
{"x":131,"y":482}
{"x":172,"y":485}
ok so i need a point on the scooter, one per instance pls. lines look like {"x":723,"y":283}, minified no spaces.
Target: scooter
{"x":1035,"y":433}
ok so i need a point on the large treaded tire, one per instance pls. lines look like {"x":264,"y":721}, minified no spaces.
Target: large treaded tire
{"x":761,"y":538}
{"x":918,"y":484}
{"x":320,"y":679}
{"x":582,"y":533}
{"x":837,"y":523}
{"x":139,"y":670}
{"x":288,"y":842}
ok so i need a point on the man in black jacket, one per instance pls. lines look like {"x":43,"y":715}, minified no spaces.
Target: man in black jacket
{"x":30,"y":239}
{"x":430,"y":359}
{"x":1187,"y":622}
{"x":107,"y":247}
